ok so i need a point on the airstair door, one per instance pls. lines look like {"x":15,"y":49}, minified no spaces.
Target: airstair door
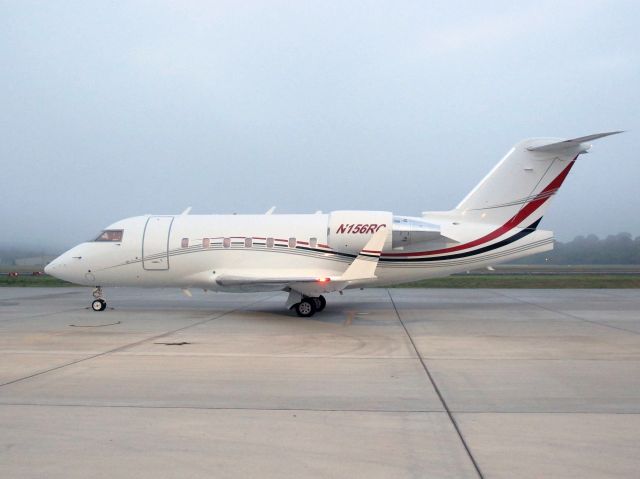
{"x":155,"y":243}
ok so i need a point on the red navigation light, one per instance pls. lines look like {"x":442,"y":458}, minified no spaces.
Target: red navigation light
{"x":324,"y":280}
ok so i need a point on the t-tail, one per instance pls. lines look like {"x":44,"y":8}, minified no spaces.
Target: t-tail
{"x":518,"y":190}
{"x":510,"y":201}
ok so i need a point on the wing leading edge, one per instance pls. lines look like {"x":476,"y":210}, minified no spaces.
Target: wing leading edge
{"x":360,"y":271}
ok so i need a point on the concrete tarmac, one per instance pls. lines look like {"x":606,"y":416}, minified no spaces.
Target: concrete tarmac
{"x":382,"y":384}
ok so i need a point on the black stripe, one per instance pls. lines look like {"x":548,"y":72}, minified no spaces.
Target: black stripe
{"x":473,"y":260}
{"x":308,"y":251}
{"x":338,"y":253}
{"x":521,"y":234}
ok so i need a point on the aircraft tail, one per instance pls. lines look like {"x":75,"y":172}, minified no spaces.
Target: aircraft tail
{"x":519,"y":188}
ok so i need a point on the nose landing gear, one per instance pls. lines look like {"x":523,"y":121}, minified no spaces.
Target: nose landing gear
{"x":98,"y":304}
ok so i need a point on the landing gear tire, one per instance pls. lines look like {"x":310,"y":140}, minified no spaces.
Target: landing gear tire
{"x":321,"y":303}
{"x":99,"y":305}
{"x":306,"y":308}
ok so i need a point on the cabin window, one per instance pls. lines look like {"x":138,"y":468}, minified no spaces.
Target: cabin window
{"x":292,"y":242}
{"x":110,"y":235}
{"x":248,"y":242}
{"x":206,"y":242}
{"x":270,"y":242}
{"x":313,"y":242}
{"x":226,"y":242}
{"x":185,"y":242}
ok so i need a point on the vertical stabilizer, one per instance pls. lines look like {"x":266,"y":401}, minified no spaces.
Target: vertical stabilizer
{"x":520,"y":186}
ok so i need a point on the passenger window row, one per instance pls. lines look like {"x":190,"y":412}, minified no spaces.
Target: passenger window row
{"x":248,"y":242}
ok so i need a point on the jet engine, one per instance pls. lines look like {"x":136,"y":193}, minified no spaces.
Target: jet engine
{"x":408,"y":231}
{"x":349,"y":231}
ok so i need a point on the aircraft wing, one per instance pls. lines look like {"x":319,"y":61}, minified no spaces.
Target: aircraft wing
{"x":264,"y":283}
{"x":360,"y":271}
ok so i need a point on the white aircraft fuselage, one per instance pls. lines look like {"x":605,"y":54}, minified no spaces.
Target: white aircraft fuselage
{"x":193,"y":250}
{"x":312,"y":254}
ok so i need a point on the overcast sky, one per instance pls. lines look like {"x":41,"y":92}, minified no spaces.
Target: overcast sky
{"x":115,"y":109}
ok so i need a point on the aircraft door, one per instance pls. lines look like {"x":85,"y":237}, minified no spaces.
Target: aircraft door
{"x":155,"y":243}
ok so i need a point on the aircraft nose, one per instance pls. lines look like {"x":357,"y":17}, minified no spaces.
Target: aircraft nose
{"x":73,"y":266}
{"x":68,"y":267}
{"x":54,"y":265}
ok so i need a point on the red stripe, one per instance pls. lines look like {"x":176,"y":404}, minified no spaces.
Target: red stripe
{"x":514,"y":221}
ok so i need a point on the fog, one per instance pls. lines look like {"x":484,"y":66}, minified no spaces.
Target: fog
{"x":115,"y":109}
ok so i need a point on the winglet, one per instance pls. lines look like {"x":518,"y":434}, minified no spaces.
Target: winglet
{"x":563,"y":145}
{"x":364,"y":266}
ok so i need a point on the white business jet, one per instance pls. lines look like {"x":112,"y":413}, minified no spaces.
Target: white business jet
{"x":315,"y":254}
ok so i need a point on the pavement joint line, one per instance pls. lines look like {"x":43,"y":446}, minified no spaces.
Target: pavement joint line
{"x":212,"y":355}
{"x":437,"y":390}
{"x":42,"y":296}
{"x":612,"y":292}
{"x":42,"y":315}
{"x":223,"y":408}
{"x":136,"y":343}
{"x":595,"y":413}
{"x":309,"y":356}
{"x":568,"y":315}
{"x":620,"y":293}
{"x":267,"y":409}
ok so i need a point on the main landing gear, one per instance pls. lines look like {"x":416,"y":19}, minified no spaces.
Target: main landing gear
{"x":310,"y":306}
{"x":98,"y":304}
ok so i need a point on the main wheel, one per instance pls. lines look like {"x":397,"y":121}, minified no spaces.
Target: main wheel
{"x":99,"y":305}
{"x":321,"y":303}
{"x":306,"y":308}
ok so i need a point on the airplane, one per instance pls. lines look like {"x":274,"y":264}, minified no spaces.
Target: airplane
{"x":310,"y":255}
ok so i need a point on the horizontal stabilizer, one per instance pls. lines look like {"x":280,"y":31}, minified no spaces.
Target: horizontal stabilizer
{"x":575,"y":142}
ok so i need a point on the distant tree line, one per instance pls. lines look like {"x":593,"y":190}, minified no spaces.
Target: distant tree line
{"x":614,"y":249}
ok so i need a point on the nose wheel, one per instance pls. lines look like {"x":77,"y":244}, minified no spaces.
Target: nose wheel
{"x":98,"y":304}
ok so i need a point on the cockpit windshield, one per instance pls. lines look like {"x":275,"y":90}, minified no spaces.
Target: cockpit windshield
{"x":110,"y":235}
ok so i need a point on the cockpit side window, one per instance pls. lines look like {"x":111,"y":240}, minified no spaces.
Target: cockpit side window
{"x":110,"y":235}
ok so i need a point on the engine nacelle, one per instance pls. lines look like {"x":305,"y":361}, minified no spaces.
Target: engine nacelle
{"x":410,"y":231}
{"x":349,"y":231}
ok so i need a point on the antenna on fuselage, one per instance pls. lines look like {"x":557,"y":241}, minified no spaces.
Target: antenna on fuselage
{"x":270,"y":211}
{"x":186,"y":212}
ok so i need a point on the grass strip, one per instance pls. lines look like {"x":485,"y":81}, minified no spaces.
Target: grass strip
{"x":533,"y":281}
